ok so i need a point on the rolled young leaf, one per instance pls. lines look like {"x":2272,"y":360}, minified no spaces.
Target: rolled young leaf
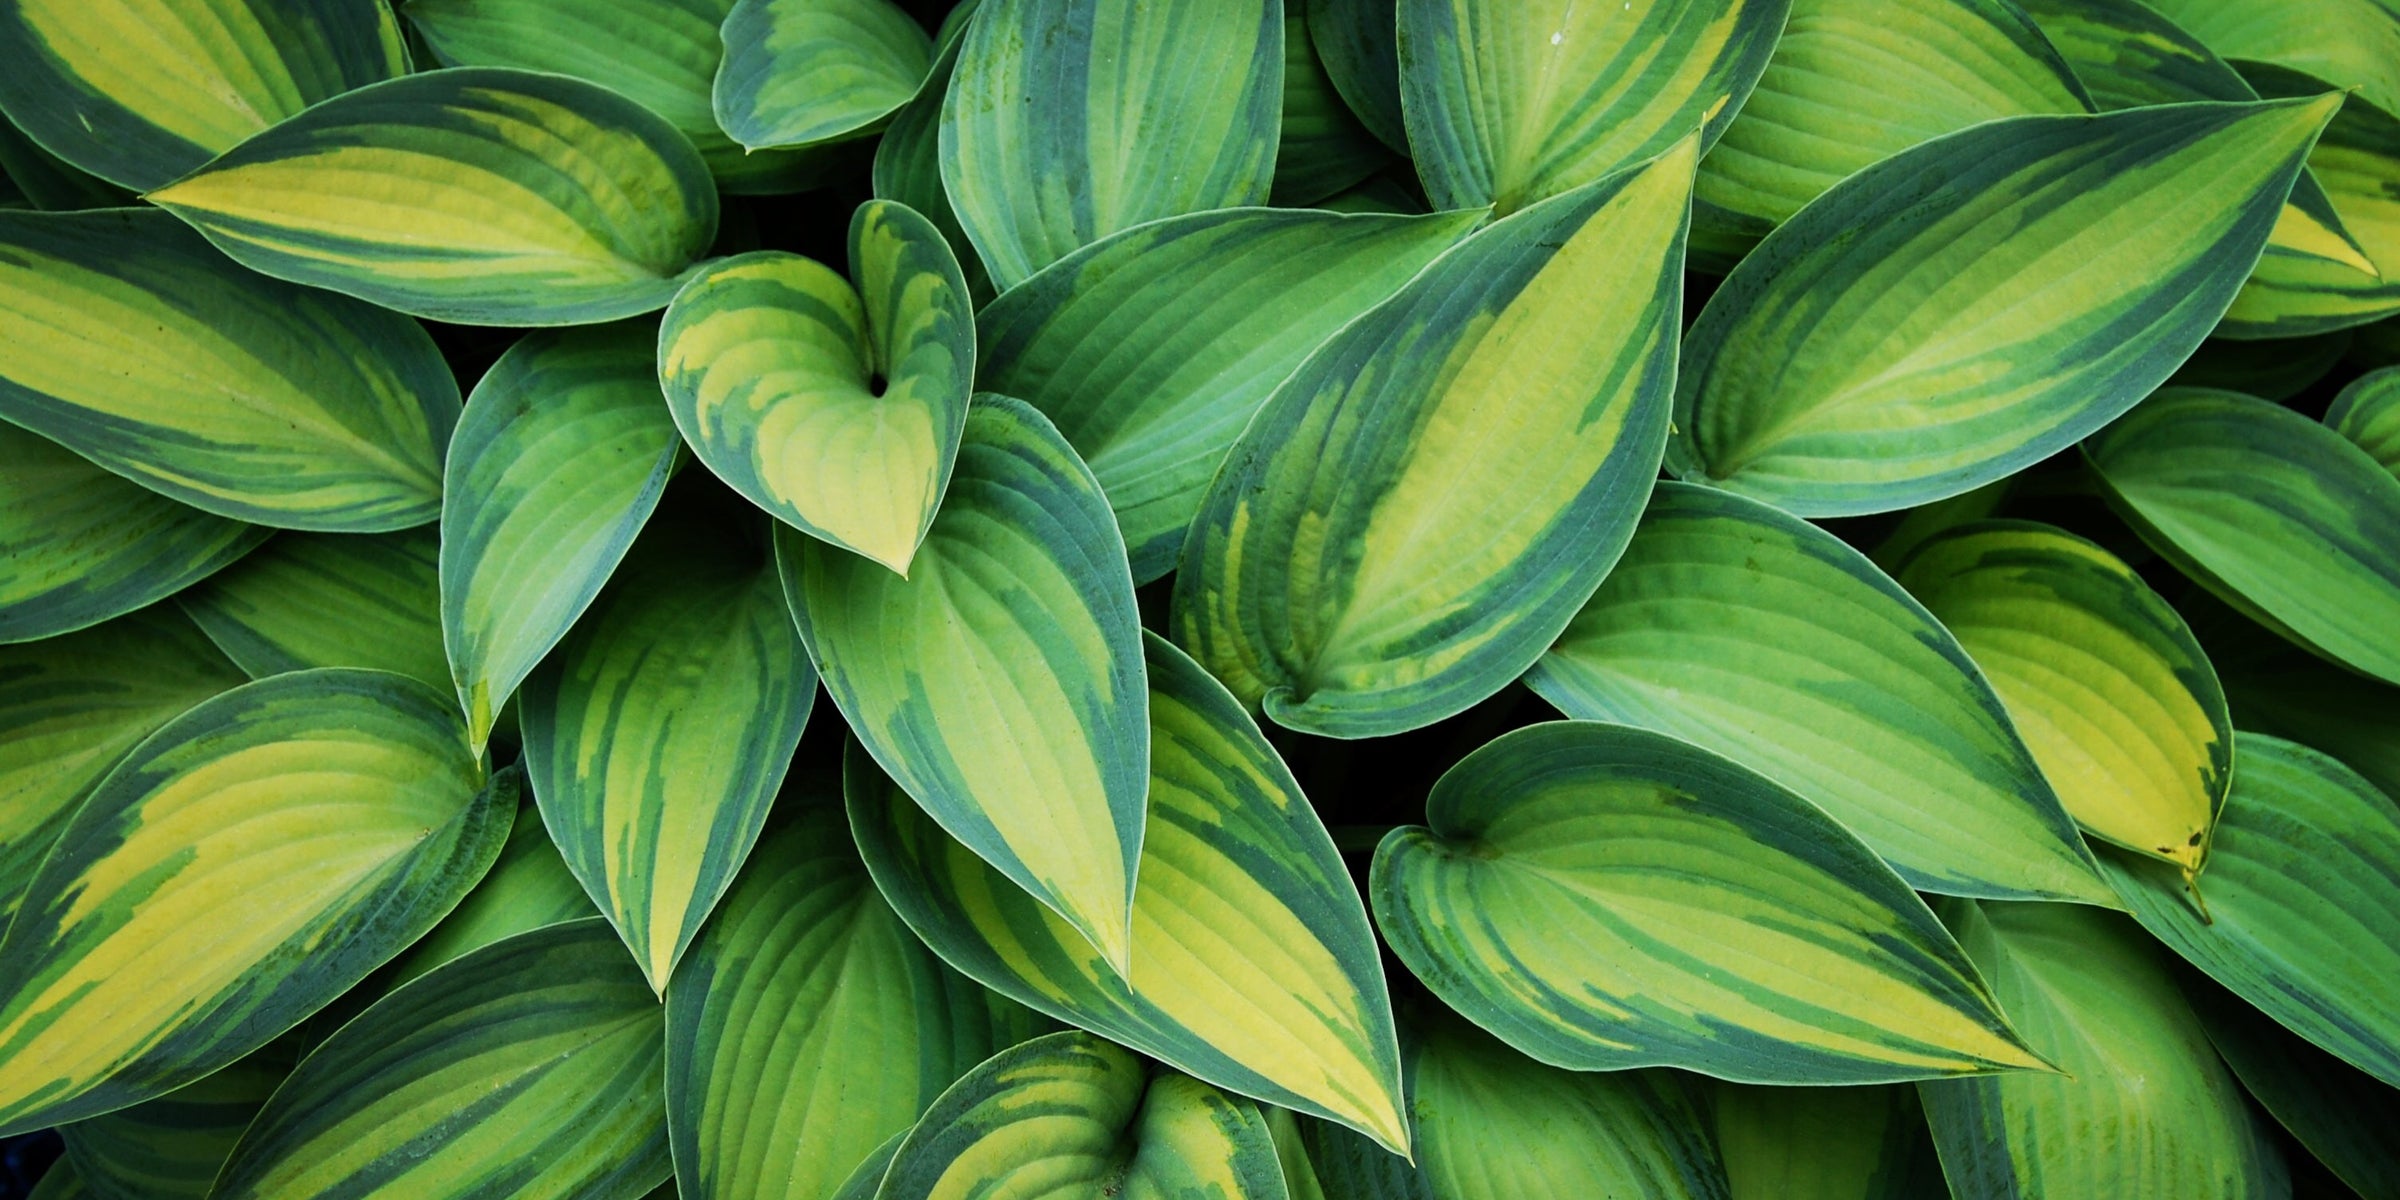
{"x":1510,"y":102}
{"x":1752,"y":633}
{"x":1151,"y":375}
{"x":243,"y":396}
{"x":484,"y":195}
{"x":238,"y":869}
{"x":2368,"y":413}
{"x":1253,"y":964}
{"x":800,"y":72}
{"x":1068,"y":120}
{"x":1071,"y":1117}
{"x":1001,"y":681}
{"x":563,"y":451}
{"x":1965,"y":309}
{"x":2340,"y":1114}
{"x":139,"y":92}
{"x":837,"y":409}
{"x":2112,"y":693}
{"x":79,"y":545}
{"x":2279,"y":516}
{"x":1603,"y":897}
{"x":1420,"y":508}
{"x":1824,"y":1143}
{"x":308,"y":600}
{"x":529,"y":1069}
{"x":171,"y":1148}
{"x":2144,"y":1107}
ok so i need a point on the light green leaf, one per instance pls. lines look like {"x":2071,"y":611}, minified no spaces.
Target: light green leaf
{"x":1299,"y":1179}
{"x":484,"y":195}
{"x":1510,"y":102}
{"x":1358,"y":43}
{"x":2105,"y":682}
{"x":1253,"y":964}
{"x":1152,"y":375}
{"x":808,"y":1026}
{"x":1754,"y":634}
{"x":530,"y":1068}
{"x":1965,"y":309}
{"x":2303,"y":892}
{"x":327,"y":600}
{"x":2358,"y":162}
{"x":801,"y":72}
{"x":563,"y":451}
{"x":1323,"y":148}
{"x":141,"y":91}
{"x":238,"y":869}
{"x":1602,"y":897}
{"x":2340,"y":1114}
{"x":2144,"y":1107}
{"x":1001,"y":681}
{"x":2279,"y":516}
{"x":657,"y":733}
{"x":2348,"y":43}
{"x":1068,"y":120}
{"x":2368,"y":413}
{"x":1824,"y":1143}
{"x":1071,"y":1117}
{"x":837,"y":409}
{"x":868,"y":1178}
{"x":247,"y":397}
{"x":46,"y":182}
{"x":171,"y":1148}
{"x":1419,"y":509}
{"x":79,"y":545}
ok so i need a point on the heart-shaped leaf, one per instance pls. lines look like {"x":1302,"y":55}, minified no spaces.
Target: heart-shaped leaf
{"x":308,"y":600}
{"x":171,"y":1148}
{"x":800,"y":72}
{"x":2368,"y":413}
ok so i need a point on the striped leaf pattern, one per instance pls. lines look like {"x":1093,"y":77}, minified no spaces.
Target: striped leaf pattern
{"x":561,"y":455}
{"x":139,"y":92}
{"x":1072,"y":1117}
{"x":312,"y":824}
{"x":1420,"y":508}
{"x":2340,"y":1113}
{"x":1322,"y":148}
{"x":1752,"y":633}
{"x":1069,"y":120}
{"x":529,"y":886}
{"x":1151,"y":379}
{"x":2144,"y":1107}
{"x":2368,"y":413}
{"x":1824,"y":1143}
{"x":2358,"y":162}
{"x":1284,"y":1002}
{"x":34,"y":177}
{"x":908,"y":156}
{"x":1000,"y":683}
{"x":658,"y":732}
{"x":498,"y":197}
{"x":1510,"y":102}
{"x":243,"y":396}
{"x":2277,"y":689}
{"x":837,"y":409}
{"x":309,"y":600}
{"x":1603,"y":897}
{"x":2347,"y":43}
{"x":171,"y":1148}
{"x":800,"y":72}
{"x":1965,"y":309}
{"x":530,"y":1069}
{"x":2303,"y":894}
{"x":2281,"y":517}
{"x":2112,"y":693}
{"x":808,"y":1026}
{"x":79,"y":545}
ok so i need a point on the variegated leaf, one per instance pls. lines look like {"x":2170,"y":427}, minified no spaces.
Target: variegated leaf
{"x":908,"y":155}
{"x":44,"y":181}
{"x":2341,"y":1114}
{"x":1322,"y":149}
{"x":2347,"y":43}
{"x":2368,"y":413}
{"x":308,"y":600}
{"x":804,"y":72}
{"x":2358,"y":161}
{"x":171,"y":1148}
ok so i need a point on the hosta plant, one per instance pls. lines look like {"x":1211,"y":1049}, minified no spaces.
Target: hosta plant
{"x":1200,"y":599}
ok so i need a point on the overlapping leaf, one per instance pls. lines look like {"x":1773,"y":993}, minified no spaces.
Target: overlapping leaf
{"x":327,"y":600}
{"x":1824,"y":1143}
{"x":171,"y":1148}
{"x":908,"y":156}
{"x":2368,"y":413}
{"x":1323,"y":148}
{"x":2343,"y":1116}
{"x":802,"y":72}
{"x":2348,"y":43}
{"x":42,"y":180}
{"x":1358,"y":43}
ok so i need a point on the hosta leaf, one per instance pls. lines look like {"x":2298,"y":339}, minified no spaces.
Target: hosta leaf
{"x":2269,"y":368}
{"x":1418,"y":510}
{"x":2144,"y":1108}
{"x":530,"y":1069}
{"x":1253,"y":965}
{"x":485,"y":195}
{"x":141,"y":91}
{"x":1854,"y":81}
{"x":908,"y":156}
{"x":46,"y":182}
{"x":327,"y":600}
{"x":1826,"y":1143}
{"x":1071,"y":1117}
{"x":562,"y":453}
{"x":2368,"y":413}
{"x":1962,"y":310}
{"x":2348,"y":43}
{"x":1068,"y":120}
{"x":529,"y":886}
{"x":2275,"y":688}
{"x":1357,"y":41}
{"x":69,"y":706}
{"x":1323,"y":148}
{"x":2112,"y":694}
{"x":836,"y":409}
{"x":312,"y":825}
{"x":79,"y":545}
{"x":1001,"y":682}
{"x":1510,"y":102}
{"x":2278,"y":515}
{"x":247,"y":397}
{"x":1602,"y":896}
{"x":657,"y":733}
{"x":798,"y":72}
{"x":1754,"y":634}
{"x":2358,"y":162}
{"x":1151,"y":378}
{"x":171,"y":1148}
{"x":2303,"y":892}
{"x":2343,"y":1116}
{"x":808,"y":1026}
{"x":868,"y":1178}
